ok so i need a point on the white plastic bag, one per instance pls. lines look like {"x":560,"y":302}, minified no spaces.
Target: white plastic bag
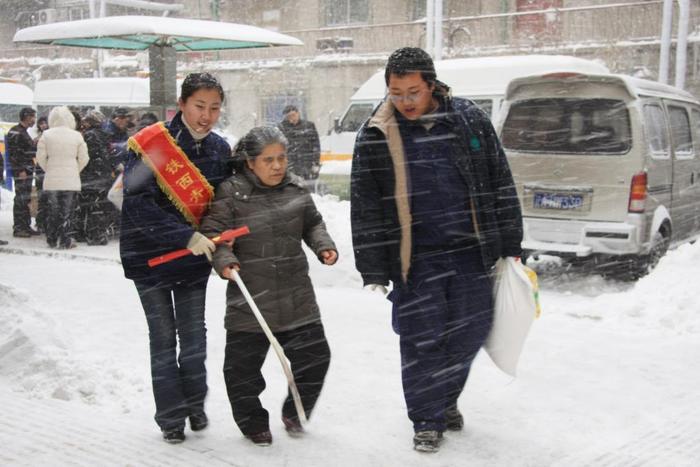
{"x":116,"y":192}
{"x":515,"y":308}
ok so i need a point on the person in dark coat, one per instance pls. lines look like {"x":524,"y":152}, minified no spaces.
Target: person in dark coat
{"x":173,"y":294}
{"x":21,"y":149}
{"x":280,"y":213}
{"x":96,"y":178}
{"x":304,"y":150}
{"x":117,"y":129}
{"x":433,"y":206}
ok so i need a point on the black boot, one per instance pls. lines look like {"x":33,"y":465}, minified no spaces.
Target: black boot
{"x":427,"y":441}
{"x":174,"y":435}
{"x":453,"y":419}
{"x":198,"y":421}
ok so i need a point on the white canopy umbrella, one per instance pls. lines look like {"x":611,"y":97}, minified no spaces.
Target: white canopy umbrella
{"x":162,"y":36}
{"x":142,"y":32}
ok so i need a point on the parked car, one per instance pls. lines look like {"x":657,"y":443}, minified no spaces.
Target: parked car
{"x":607,"y":167}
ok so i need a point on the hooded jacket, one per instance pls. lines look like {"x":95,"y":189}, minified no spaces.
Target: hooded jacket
{"x":273,"y":263}
{"x":62,"y":152}
{"x":380,"y":190}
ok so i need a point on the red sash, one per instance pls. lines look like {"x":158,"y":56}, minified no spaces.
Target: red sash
{"x":177,"y":176}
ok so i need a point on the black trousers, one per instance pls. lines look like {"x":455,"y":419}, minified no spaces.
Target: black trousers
{"x":20,"y":210}
{"x":306,"y":349}
{"x":95,"y":212}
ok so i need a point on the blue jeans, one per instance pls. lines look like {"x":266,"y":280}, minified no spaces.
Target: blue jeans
{"x":176,"y":312}
{"x":443,"y":316}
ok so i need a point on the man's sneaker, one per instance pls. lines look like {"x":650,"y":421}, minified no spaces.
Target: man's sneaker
{"x":21,"y":234}
{"x":3,"y":242}
{"x":264,"y":438}
{"x":34,"y":232}
{"x":174,"y":435}
{"x":293,"y":427}
{"x":427,"y":441}
{"x":453,"y":419}
{"x":198,"y":421}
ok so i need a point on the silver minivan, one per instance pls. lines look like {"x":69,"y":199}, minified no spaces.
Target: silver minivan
{"x":606,"y":167}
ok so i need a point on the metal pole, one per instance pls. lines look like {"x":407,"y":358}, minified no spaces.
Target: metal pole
{"x":666,"y":23}
{"x":682,"y":42}
{"x":429,"y":26}
{"x":438,"y":30}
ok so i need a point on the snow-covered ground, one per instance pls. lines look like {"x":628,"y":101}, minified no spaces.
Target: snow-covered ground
{"x":609,"y":375}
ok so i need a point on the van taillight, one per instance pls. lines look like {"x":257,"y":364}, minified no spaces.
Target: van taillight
{"x":638,"y":193}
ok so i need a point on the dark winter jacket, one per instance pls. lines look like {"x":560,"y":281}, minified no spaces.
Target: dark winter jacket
{"x":273,"y":263}
{"x":151,"y":225}
{"x":304,"y":149}
{"x":117,"y":143}
{"x":380,"y":190}
{"x":97,"y":175}
{"x":21,"y":150}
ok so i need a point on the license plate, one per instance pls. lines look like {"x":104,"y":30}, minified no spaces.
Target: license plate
{"x":557,"y":201}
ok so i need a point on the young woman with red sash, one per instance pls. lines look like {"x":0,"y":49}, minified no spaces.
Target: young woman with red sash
{"x":171,"y":172}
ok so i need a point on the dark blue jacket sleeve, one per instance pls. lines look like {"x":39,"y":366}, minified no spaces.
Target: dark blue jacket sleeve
{"x":507,"y":205}
{"x":369,"y":235}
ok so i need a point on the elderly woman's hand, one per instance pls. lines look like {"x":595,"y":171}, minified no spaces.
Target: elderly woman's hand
{"x":329,"y":257}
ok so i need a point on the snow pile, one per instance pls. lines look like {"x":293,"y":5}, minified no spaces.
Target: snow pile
{"x":36,"y":361}
{"x":661,"y":302}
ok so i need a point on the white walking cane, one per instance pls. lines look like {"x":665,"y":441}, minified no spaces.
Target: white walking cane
{"x":275,"y":345}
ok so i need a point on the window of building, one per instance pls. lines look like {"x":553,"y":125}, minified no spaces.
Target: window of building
{"x":341,"y":12}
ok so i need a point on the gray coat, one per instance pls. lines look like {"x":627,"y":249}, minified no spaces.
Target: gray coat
{"x":273,"y":264}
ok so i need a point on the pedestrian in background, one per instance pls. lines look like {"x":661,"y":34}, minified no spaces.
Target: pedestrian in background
{"x":21,"y":150}
{"x":304,"y":149}
{"x":62,"y":153}
{"x":279,"y":211}
{"x":96,"y":179}
{"x":433,"y":206}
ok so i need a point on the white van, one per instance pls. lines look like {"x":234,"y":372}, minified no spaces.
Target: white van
{"x":102,"y":93}
{"x":13,"y":98}
{"x":482,"y":80}
{"x":606,"y":167}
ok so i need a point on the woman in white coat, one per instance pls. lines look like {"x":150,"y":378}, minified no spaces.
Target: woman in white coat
{"x":62,"y":153}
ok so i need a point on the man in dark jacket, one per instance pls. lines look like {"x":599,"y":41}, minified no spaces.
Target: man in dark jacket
{"x":433,"y":206}
{"x":21,"y":149}
{"x":95,"y":179}
{"x":304,"y":151}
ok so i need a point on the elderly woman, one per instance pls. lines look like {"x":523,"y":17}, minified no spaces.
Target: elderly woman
{"x":62,"y":153}
{"x":280,"y":213}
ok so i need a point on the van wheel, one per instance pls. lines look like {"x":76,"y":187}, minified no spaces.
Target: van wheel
{"x":631,"y":268}
{"x":659,"y":246}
